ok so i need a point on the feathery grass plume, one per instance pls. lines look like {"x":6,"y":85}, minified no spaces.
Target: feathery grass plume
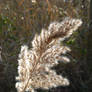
{"x":35,"y":64}
{"x":33,"y":1}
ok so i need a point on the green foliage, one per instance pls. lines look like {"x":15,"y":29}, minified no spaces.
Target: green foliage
{"x":7,"y":23}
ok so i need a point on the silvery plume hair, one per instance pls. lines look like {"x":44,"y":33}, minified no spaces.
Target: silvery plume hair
{"x":35,"y":64}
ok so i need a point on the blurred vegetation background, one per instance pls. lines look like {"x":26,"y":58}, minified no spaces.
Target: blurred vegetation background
{"x":20,"y":20}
